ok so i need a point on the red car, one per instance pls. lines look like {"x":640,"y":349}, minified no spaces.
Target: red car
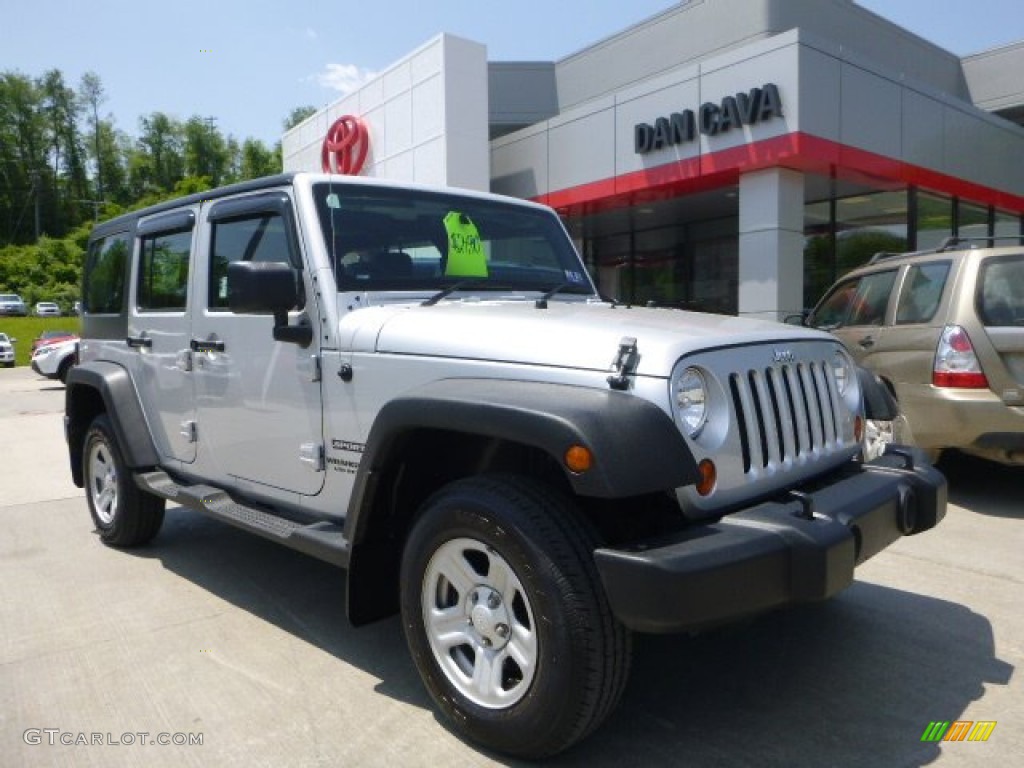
{"x":51,"y":337}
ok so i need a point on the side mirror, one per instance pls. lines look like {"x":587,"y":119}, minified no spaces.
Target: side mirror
{"x":268,"y":288}
{"x":797,"y":319}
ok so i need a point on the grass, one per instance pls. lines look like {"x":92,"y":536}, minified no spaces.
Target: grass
{"x":25,"y":329}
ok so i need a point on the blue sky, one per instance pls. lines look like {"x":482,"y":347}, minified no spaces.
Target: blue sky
{"x":249,"y":62}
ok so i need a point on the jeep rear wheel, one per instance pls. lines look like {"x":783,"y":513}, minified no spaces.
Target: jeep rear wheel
{"x":124,"y":515}
{"x":506,"y":619}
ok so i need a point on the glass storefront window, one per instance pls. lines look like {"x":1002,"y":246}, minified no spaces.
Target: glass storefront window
{"x":864,"y":225}
{"x":972,"y":220}
{"x":934,"y":220}
{"x":1009,"y":225}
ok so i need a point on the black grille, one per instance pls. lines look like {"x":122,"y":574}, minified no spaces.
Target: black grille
{"x":784,"y":412}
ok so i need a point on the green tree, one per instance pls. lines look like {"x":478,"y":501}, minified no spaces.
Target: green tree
{"x":91,"y":93}
{"x":297,"y":115}
{"x":205,"y":150}
{"x":159,"y":161}
{"x":257,"y":160}
{"x":23,"y":160}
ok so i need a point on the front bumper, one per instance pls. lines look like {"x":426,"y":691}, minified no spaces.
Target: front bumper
{"x":797,"y":549}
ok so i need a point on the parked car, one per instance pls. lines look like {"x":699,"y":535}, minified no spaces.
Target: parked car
{"x":50,"y":337}
{"x":6,"y":350}
{"x":47,"y":309}
{"x":55,"y":360}
{"x":424,"y":387}
{"x":944,"y":329}
{"x":11,"y":304}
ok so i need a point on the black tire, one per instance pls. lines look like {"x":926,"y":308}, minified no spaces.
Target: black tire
{"x":530,"y":544}
{"x":124,"y":515}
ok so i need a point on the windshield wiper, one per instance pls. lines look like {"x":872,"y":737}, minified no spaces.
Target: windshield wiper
{"x":542,"y":302}
{"x":446,"y":292}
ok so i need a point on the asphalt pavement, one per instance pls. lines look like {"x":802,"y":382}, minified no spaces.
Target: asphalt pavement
{"x":212,"y":647}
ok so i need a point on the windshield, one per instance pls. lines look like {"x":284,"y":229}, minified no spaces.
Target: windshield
{"x":402,"y":239}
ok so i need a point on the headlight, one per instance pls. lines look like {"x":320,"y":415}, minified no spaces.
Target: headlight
{"x":43,"y":351}
{"x":842,"y":370}
{"x":692,"y":399}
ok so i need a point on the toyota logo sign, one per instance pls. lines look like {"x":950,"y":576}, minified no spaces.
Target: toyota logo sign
{"x":345,"y":146}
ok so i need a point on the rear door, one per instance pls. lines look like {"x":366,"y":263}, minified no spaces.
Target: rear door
{"x":158,"y":330}
{"x":999,"y":301}
{"x":259,"y":408}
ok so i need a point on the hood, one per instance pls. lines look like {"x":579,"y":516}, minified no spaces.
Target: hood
{"x":567,"y":334}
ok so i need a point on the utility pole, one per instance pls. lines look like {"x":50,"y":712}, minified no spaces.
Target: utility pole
{"x":95,"y":207}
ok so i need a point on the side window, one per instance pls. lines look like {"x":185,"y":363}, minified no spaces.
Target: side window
{"x":833,"y":311}
{"x":922,"y":290}
{"x":261,"y":237}
{"x":1000,"y":297}
{"x":103,"y":291}
{"x":163,"y":272}
{"x":872,"y":298}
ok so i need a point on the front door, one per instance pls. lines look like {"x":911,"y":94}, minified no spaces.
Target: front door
{"x":259,"y":406}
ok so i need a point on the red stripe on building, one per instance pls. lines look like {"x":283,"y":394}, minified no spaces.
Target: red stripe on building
{"x":797,"y":151}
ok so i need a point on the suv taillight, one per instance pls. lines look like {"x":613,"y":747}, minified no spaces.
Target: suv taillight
{"x":956,"y":365}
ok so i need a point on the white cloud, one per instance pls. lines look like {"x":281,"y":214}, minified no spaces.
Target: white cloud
{"x":344,"y":78}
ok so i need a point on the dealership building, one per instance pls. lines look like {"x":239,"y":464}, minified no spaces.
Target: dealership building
{"x":723,"y":155}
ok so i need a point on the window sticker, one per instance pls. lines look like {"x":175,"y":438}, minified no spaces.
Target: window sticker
{"x":465,"y":251}
{"x":333,"y":201}
{"x":573,"y":276}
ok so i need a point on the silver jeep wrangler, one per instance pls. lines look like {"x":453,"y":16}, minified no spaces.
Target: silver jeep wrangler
{"x":422,"y":386}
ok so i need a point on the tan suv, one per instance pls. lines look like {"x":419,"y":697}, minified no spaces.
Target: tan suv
{"x":944,"y":329}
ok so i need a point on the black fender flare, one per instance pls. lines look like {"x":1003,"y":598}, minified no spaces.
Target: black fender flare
{"x":879,"y":402}
{"x":114,"y":386}
{"x":636,"y":446}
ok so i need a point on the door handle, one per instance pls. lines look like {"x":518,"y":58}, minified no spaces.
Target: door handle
{"x":206,"y":345}
{"x":867,"y":342}
{"x":139,"y":341}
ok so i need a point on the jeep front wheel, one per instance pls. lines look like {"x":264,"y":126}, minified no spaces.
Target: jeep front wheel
{"x":124,"y":515}
{"x":506,"y":619}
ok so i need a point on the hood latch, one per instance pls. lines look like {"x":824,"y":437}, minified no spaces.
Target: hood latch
{"x":624,"y":363}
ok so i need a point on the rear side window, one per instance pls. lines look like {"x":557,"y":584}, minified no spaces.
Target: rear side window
{"x":1000,"y":296}
{"x":262,"y":237}
{"x":103,"y":290}
{"x":922,"y":291}
{"x":163,"y":272}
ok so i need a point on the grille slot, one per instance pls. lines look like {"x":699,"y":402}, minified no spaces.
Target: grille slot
{"x":784,"y":412}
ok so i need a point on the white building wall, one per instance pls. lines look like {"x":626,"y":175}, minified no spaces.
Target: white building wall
{"x":426,"y":117}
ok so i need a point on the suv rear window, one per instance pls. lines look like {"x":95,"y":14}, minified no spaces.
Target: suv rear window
{"x":1000,"y":296}
{"x":922,"y":290}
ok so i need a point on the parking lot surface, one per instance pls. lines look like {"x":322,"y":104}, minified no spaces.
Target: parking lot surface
{"x":214,"y":635}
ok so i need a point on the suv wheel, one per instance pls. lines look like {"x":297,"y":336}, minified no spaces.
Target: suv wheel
{"x":506,"y":619}
{"x":124,"y":515}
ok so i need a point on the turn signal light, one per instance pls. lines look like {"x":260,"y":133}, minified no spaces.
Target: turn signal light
{"x":708,"y":477}
{"x":578,"y":458}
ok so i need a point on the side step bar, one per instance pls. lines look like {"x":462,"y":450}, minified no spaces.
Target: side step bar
{"x":322,"y":540}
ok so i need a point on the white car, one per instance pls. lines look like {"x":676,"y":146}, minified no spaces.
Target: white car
{"x":55,"y":360}
{"x":11,"y":304}
{"x":47,"y":309}
{"x":7,"y":350}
